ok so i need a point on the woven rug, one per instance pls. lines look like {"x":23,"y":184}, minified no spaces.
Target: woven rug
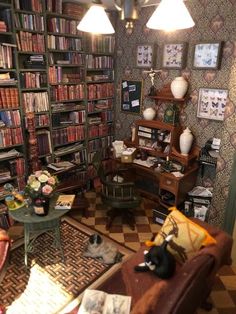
{"x":48,"y":285}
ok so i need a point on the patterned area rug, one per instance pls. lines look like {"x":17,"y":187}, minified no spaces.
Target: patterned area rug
{"x":48,"y":285}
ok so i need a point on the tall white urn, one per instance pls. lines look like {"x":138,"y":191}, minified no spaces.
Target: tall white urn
{"x":179,"y":87}
{"x":185,"y":141}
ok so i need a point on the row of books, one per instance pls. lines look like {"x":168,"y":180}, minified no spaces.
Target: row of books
{"x":99,"y":130}
{"x":56,"y":75}
{"x":17,"y":167}
{"x":29,"y":5}
{"x":67,"y":92}
{"x":64,"y":43}
{"x":10,"y":118}
{"x":72,"y":58}
{"x":3,"y":26}
{"x":44,"y":142}
{"x":30,"y":42}
{"x":32,"y":22}
{"x":100,"y":143}
{"x":6,"y":16}
{"x":68,"y":134}
{"x":99,"y":62}
{"x":5,"y":174}
{"x":54,"y":6}
{"x":61,"y":25}
{"x":6,"y":60}
{"x":106,"y":116}
{"x":42,"y":120}
{"x":73,"y":117}
{"x":101,"y":90}
{"x":99,"y":104}
{"x":9,"y":97}
{"x":11,"y":136}
{"x":102,"y":44}
{"x":35,"y":102}
{"x":73,"y":9}
{"x":68,"y":149}
{"x":66,"y":107}
{"x":33,"y":79}
{"x":100,"y":77}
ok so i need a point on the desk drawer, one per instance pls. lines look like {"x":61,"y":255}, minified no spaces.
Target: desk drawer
{"x":168,"y":184}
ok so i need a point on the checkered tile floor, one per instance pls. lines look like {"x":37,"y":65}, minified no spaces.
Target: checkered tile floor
{"x":223,"y":295}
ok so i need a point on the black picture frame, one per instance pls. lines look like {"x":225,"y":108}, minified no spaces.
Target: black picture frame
{"x":131,"y":96}
{"x":207,"y":55}
{"x":174,"y":55}
{"x":145,"y":54}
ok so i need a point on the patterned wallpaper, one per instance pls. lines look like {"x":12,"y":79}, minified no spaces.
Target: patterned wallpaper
{"x":215,"y":21}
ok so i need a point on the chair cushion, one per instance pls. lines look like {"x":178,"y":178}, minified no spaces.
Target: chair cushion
{"x":188,"y":238}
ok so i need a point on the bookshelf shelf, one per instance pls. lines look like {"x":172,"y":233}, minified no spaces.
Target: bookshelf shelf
{"x":64,"y":34}
{"x":11,"y":146}
{"x":34,"y":89}
{"x":29,"y":30}
{"x":68,"y":143}
{"x":66,"y":100}
{"x":28,"y":12}
{"x":65,"y":50}
{"x":6,"y":33}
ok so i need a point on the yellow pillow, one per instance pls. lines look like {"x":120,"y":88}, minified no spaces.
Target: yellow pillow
{"x":188,"y":236}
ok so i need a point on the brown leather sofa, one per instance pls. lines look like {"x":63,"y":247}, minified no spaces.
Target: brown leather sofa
{"x":187,"y":290}
{"x":4,"y":251}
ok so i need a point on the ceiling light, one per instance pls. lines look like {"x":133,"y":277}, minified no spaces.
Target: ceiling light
{"x":170,"y":15}
{"x":96,"y":21}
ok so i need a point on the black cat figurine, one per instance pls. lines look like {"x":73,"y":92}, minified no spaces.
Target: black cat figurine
{"x":159,"y":260}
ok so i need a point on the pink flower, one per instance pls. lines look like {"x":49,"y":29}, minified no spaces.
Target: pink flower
{"x":38,"y":173}
{"x":47,"y":189}
{"x":51,"y":181}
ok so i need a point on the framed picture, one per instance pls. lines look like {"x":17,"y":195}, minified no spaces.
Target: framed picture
{"x":145,"y":56}
{"x":131,"y":96}
{"x":174,"y":55}
{"x":211,"y":103}
{"x":207,"y":55}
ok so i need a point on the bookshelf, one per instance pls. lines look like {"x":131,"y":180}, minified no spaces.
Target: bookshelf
{"x":57,"y":88}
{"x":12,"y":150}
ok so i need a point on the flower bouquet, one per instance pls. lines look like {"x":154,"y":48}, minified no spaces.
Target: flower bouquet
{"x":40,"y":187}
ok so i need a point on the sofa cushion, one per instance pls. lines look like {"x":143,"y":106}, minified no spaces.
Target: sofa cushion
{"x":188,"y":238}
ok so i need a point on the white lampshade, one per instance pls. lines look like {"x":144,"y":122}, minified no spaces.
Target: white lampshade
{"x":170,"y":15}
{"x":96,"y":21}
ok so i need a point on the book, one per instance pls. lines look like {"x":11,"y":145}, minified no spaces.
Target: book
{"x":99,"y":302}
{"x":65,"y":201}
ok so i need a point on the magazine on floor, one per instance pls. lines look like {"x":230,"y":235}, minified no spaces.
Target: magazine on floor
{"x":64,"y":201}
{"x":99,"y":302}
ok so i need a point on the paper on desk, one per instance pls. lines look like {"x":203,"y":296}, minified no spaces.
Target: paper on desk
{"x":177,"y":174}
{"x":200,"y":191}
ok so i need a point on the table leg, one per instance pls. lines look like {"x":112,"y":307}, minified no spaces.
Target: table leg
{"x":57,"y":240}
{"x":26,"y":240}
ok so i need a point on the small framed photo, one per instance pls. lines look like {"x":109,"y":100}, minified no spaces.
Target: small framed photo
{"x":174,"y":56}
{"x":207,"y":55}
{"x":211,"y":103}
{"x":145,"y":56}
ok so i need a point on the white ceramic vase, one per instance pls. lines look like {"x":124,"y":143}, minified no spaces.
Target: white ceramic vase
{"x":179,"y":87}
{"x":149,"y":113}
{"x":185,"y":141}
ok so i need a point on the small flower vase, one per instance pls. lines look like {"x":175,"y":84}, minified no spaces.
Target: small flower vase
{"x":149,"y":113}
{"x":179,"y":87}
{"x":41,"y":206}
{"x":185,"y":141}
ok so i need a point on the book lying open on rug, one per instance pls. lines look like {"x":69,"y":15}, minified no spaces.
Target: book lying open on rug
{"x":99,"y":302}
{"x":65,"y":201}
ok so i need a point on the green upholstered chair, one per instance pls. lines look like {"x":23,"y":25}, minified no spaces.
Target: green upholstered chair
{"x":122,"y":197}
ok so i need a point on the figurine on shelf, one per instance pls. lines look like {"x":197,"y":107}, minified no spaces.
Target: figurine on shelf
{"x":152,"y":74}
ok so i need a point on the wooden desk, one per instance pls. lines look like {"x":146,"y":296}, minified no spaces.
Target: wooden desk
{"x":154,"y":185}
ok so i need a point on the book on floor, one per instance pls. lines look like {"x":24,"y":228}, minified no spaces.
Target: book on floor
{"x":99,"y":302}
{"x":65,"y":201}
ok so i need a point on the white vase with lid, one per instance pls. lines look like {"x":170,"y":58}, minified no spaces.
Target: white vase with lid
{"x":149,"y":113}
{"x":185,"y":141}
{"x":179,"y":87}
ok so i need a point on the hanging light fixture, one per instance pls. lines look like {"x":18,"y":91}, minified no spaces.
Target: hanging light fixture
{"x":170,"y":15}
{"x":96,"y":20}
{"x":129,"y":10}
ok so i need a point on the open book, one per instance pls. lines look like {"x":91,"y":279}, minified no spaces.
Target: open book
{"x":64,"y":201}
{"x":99,"y":302}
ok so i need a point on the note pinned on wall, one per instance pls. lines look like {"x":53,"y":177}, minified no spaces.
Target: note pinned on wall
{"x":131,"y":96}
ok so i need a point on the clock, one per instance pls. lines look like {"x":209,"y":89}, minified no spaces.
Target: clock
{"x":171,"y":115}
